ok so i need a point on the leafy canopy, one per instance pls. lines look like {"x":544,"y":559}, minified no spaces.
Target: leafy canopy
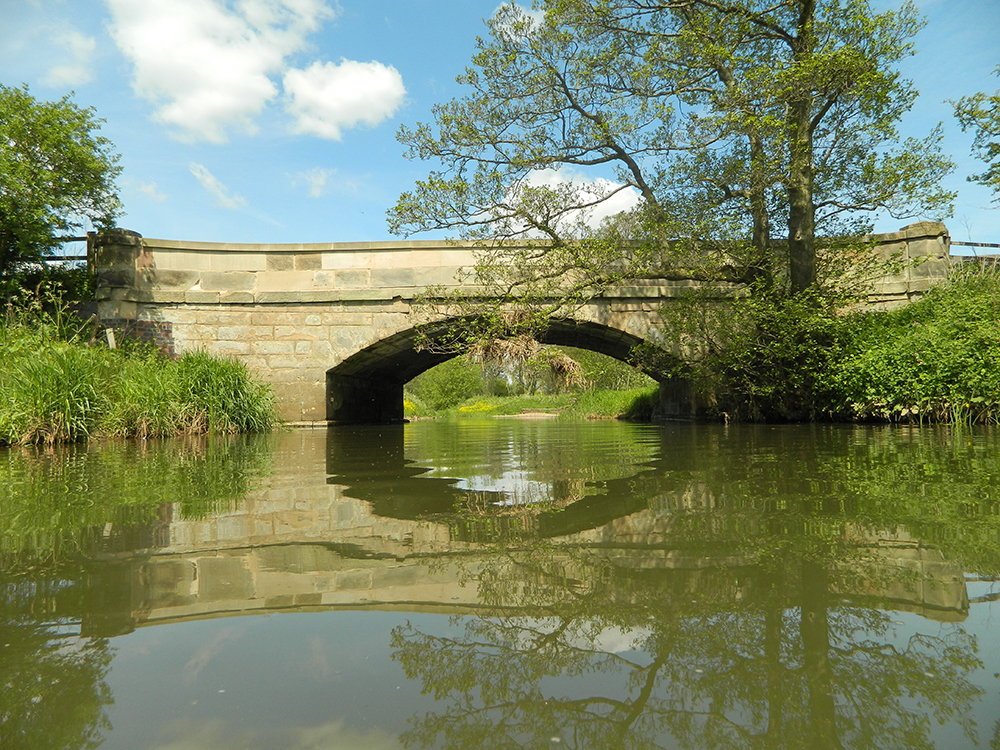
{"x":710,"y":121}
{"x":56,"y":176}
{"x":981,"y":114}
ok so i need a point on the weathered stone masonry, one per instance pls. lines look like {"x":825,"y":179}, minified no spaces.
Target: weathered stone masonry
{"x":330,"y":325}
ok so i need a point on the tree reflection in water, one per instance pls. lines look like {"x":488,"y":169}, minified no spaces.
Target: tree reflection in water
{"x":697,"y":587}
{"x":750,"y":617}
{"x":53,"y":693}
{"x":650,"y":656}
{"x":61,"y":514}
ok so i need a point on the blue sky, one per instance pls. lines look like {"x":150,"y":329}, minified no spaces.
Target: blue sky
{"x":275,"y":120}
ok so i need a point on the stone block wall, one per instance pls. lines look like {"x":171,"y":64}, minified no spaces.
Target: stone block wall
{"x":923,"y":252}
{"x":133,"y":270}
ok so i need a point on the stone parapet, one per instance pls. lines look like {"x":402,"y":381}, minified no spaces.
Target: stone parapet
{"x":921,"y":252}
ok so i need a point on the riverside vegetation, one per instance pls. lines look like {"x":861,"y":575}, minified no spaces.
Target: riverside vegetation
{"x":769,"y":359}
{"x":60,"y":385}
{"x":772,"y":358}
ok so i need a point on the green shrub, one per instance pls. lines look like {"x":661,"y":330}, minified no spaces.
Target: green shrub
{"x":607,"y":373}
{"x":764,"y":356}
{"x":414,"y":407}
{"x":937,"y":358}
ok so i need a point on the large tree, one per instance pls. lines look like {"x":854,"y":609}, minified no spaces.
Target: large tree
{"x":57,"y":175}
{"x":981,"y":114}
{"x":732,"y":121}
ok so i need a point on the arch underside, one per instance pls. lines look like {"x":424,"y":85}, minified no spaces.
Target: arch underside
{"x":368,"y":386}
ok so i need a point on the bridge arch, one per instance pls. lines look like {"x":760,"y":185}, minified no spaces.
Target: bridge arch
{"x":368,"y":385}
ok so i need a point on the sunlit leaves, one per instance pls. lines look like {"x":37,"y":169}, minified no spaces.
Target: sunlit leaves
{"x":981,"y":114}
{"x":56,"y":175}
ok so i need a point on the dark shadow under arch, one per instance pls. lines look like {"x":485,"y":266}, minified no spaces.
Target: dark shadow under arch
{"x":367,"y":387}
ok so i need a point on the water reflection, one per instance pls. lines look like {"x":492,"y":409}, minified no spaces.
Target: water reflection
{"x":787,"y":664}
{"x":614,"y":585}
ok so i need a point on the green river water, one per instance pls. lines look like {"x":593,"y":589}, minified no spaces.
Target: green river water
{"x":504,"y":583}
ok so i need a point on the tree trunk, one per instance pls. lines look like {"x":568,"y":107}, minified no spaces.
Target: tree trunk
{"x":761,"y":265}
{"x":814,"y":628}
{"x":801,"y":210}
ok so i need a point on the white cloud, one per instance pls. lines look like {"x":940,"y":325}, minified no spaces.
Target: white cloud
{"x":562,"y":189}
{"x":208,"y":651}
{"x":613,"y":199}
{"x":537,"y":16}
{"x":587,"y":635}
{"x":222,"y":195}
{"x":326,"y":98}
{"x":316,"y":179}
{"x":78,"y":72}
{"x":219,"y":734}
{"x":508,"y":20}
{"x":207,"y":64}
{"x":149,"y":190}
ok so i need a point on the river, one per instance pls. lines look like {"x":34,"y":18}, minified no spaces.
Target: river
{"x":503,"y":583}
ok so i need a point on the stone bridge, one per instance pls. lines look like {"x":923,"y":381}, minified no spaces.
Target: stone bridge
{"x":332,"y":326}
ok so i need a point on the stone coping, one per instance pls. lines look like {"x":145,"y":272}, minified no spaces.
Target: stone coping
{"x":321,"y":247}
{"x":917,"y":230}
{"x":381,"y":294}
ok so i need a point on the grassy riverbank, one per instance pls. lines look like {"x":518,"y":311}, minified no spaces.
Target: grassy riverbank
{"x":633,"y":404}
{"x":937,"y":359}
{"x":58,"y":386}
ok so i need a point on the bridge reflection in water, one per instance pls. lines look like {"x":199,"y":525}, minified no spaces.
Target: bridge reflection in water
{"x":615,"y":586}
{"x":343,"y":527}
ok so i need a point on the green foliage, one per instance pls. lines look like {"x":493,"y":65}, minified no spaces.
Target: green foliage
{"x":936,"y":359}
{"x":511,"y":405}
{"x":774,"y":357}
{"x":602,"y":372}
{"x":981,"y":114}
{"x":56,"y":503}
{"x":68,"y":282}
{"x":635,"y":404}
{"x":414,"y":407}
{"x":522,"y":366}
{"x":448,"y":384}
{"x":728,"y":126}
{"x":56,"y":176}
{"x":763,"y":356}
{"x":516,"y":376}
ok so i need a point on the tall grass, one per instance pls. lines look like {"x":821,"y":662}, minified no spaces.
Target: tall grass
{"x":58,"y":387}
{"x":224,"y":393}
{"x":633,"y":404}
{"x":53,"y":394}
